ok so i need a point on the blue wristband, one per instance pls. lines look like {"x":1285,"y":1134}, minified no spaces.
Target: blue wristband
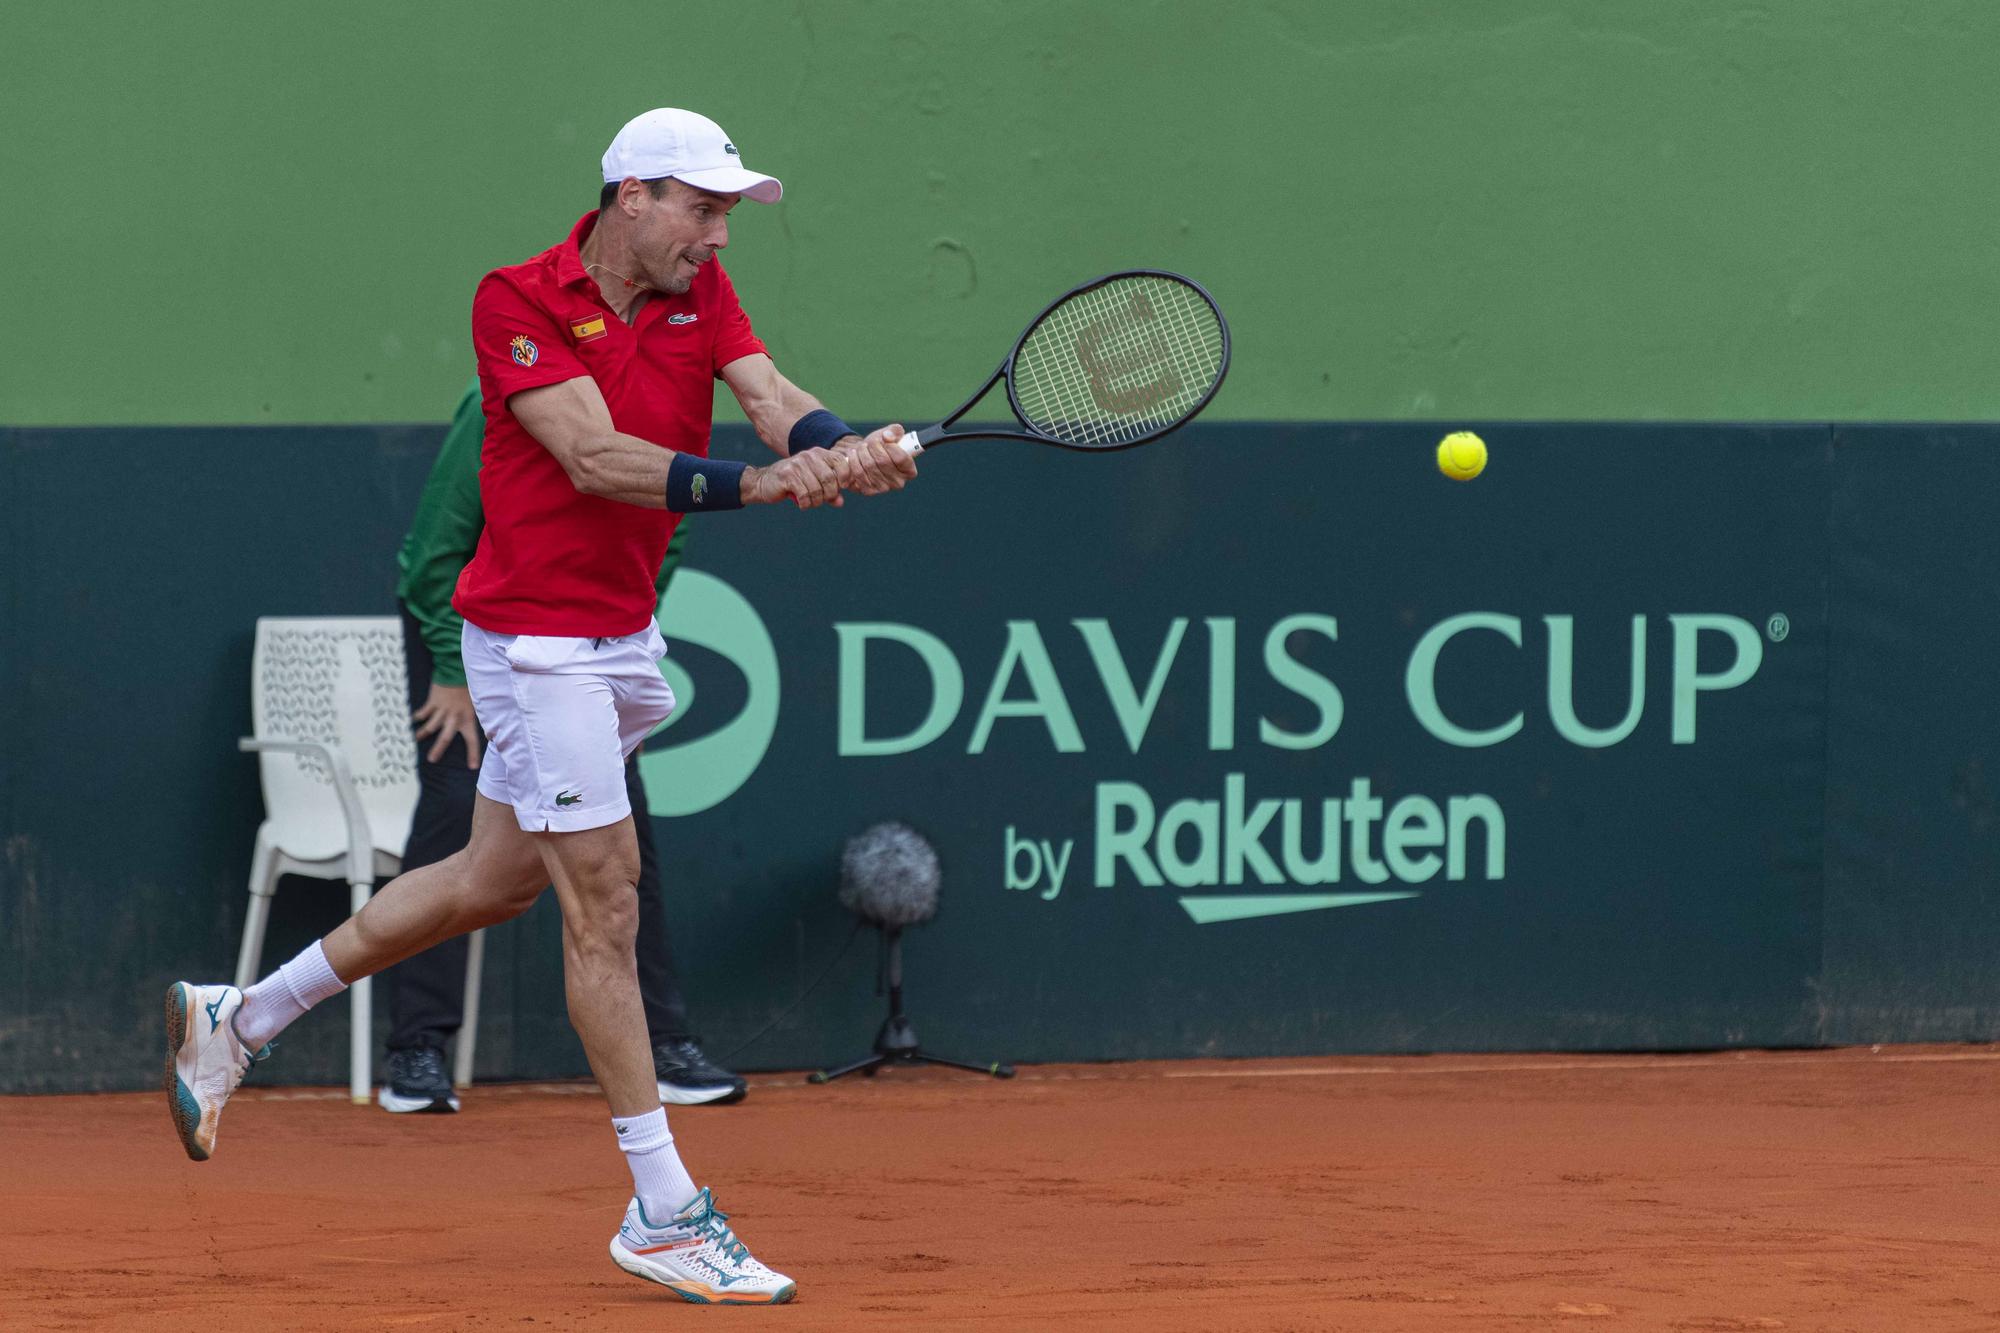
{"x":697,"y":484}
{"x":816,"y":430}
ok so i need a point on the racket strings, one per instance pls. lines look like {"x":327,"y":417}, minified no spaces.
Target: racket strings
{"x":1127,"y":362}
{"x":1120,"y":362}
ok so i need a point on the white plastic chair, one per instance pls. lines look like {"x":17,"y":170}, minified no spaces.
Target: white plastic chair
{"x":329,"y":701}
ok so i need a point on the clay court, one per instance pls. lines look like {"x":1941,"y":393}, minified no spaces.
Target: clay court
{"x":1841,"y":1190}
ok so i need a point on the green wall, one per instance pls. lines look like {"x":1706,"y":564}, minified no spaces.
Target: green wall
{"x":254,"y":212}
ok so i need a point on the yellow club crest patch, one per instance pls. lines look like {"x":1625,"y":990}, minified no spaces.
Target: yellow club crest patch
{"x":524,"y":350}
{"x":587,"y":330}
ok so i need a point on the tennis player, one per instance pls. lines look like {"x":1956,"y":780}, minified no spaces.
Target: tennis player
{"x":596,"y":360}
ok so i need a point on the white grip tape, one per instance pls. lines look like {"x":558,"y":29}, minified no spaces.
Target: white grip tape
{"x":911,"y":445}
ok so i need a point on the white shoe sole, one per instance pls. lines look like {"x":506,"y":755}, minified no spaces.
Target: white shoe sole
{"x":389,"y":1101}
{"x":673,"y":1094}
{"x":688,"y":1289}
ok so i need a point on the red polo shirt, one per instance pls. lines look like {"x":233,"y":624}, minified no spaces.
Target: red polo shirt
{"x":553,"y":560}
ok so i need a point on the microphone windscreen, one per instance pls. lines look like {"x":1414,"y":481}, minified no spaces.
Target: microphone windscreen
{"x":889,"y":875}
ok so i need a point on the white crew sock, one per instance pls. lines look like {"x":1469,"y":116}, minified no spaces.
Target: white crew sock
{"x":663,"y":1185}
{"x":270,"y":1006}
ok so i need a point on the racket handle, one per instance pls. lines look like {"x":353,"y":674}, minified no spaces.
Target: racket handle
{"x":912,"y":442}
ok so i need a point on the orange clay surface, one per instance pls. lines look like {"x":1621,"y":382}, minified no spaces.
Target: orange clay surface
{"x":1811,"y":1191}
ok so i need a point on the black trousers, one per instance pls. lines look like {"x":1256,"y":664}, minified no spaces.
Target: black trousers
{"x":427,"y":992}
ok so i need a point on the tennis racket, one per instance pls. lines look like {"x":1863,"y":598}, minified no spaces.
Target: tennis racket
{"x":1120,"y":361}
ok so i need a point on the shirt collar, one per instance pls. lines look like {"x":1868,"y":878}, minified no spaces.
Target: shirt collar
{"x":569,"y":257}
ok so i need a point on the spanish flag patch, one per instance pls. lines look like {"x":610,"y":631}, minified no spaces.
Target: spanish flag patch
{"x":587,"y":330}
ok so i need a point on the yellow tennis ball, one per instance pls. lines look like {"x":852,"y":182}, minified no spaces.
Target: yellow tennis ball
{"x":1461,"y":455}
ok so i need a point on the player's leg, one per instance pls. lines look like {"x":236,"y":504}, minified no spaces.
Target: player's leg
{"x":591,"y":854}
{"x":215,"y":1032}
{"x":687,"y":1247}
{"x":594,"y":872}
{"x":212,"y":1031}
{"x":496,"y":878}
{"x":685,"y":1074}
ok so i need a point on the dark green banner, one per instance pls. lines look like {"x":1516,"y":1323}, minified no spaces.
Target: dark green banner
{"x":1267,"y":739}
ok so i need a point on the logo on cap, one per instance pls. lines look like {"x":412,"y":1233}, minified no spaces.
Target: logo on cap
{"x":730,"y":149}
{"x":524,"y":349}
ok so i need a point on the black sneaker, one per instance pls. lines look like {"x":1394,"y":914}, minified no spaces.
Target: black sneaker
{"x":418,"y":1082}
{"x":688,"y":1078}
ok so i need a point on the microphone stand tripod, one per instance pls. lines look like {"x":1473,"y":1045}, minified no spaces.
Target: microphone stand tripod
{"x":897,"y":1043}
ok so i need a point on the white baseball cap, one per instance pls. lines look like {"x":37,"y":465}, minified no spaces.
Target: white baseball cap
{"x":688,"y":147}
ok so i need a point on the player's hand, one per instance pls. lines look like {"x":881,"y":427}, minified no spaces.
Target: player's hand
{"x":447,"y":712}
{"x":807,"y":479}
{"x":877,"y":464}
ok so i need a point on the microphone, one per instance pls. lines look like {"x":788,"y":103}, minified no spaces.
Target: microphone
{"x":889,"y":876}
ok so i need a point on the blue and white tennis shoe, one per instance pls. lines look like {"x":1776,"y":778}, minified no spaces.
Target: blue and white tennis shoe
{"x":206,"y":1060}
{"x":697,"y":1257}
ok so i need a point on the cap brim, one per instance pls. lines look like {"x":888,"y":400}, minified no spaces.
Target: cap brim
{"x":734,"y":180}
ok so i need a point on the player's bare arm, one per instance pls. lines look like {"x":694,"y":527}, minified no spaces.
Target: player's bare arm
{"x":570,"y":420}
{"x":869,"y":466}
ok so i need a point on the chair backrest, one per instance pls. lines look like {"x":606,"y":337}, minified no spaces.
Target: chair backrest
{"x":340,"y":679}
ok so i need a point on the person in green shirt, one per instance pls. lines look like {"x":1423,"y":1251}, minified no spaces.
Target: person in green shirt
{"x":426,"y":992}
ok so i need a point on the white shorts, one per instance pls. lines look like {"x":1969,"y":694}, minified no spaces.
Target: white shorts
{"x":561,"y":715}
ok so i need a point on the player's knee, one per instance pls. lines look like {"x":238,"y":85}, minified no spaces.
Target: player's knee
{"x":608,"y":922}
{"x":608,"y":872}
{"x":617,"y":914}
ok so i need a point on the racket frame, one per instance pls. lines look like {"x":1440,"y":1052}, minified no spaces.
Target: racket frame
{"x":916,"y":441}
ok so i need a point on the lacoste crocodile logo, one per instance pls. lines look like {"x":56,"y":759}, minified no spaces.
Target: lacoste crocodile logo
{"x":568,"y":798}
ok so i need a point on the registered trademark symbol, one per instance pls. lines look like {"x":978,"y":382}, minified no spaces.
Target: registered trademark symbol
{"x":1777,"y":627}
